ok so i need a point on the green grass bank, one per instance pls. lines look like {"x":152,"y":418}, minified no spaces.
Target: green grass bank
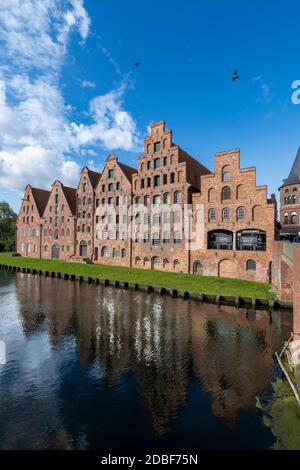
{"x":181,"y":282}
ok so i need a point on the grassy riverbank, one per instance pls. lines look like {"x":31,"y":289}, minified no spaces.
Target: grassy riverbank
{"x":182,"y":282}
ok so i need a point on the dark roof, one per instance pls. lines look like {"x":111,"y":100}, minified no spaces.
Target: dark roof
{"x":94,"y":177}
{"x":40,"y":197}
{"x":127,"y":170}
{"x":294,"y":176}
{"x":70,"y":194}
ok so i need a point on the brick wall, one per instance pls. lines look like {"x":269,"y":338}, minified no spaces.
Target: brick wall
{"x":296,"y":296}
{"x":245,"y":208}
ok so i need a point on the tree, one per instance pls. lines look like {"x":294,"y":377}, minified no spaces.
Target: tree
{"x":8,"y":219}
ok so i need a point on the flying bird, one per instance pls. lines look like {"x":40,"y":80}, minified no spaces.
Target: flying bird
{"x":137,"y":64}
{"x":235,"y":76}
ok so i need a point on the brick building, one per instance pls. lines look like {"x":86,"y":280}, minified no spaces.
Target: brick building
{"x":167,"y":177}
{"x":85,"y":211}
{"x":59,"y":223}
{"x":229,"y":231}
{"x":28,"y":229}
{"x":234,"y":222}
{"x":113,"y":196}
{"x":290,"y":201}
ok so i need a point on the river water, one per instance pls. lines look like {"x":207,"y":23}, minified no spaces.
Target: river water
{"x":93,"y":367}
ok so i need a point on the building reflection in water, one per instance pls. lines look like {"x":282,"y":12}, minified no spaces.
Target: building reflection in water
{"x":166,"y":343}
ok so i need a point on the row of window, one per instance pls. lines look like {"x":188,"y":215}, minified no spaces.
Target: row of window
{"x":292,"y":200}
{"x":27,"y":208}
{"x":56,"y":208}
{"x":31,"y":232}
{"x":245,"y":240}
{"x":294,"y":190}
{"x":240,"y":214}
{"x":141,"y":237}
{"x":85,"y":201}
{"x":56,"y":233}
{"x":27,"y":220}
{"x":110,"y":186}
{"x":155,"y":182}
{"x":62,"y":247}
{"x":291,"y":219}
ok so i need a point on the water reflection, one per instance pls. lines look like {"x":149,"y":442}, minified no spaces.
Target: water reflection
{"x":164,"y":345}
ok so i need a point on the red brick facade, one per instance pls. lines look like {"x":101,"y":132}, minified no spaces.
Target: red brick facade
{"x":85,"y":211}
{"x":232,"y":218}
{"x":59,"y":223}
{"x":234,"y":222}
{"x":167,"y":177}
{"x":28,"y":229}
{"x":113,"y":197}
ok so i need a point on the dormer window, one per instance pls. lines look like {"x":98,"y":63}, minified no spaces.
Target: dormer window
{"x":157,"y":147}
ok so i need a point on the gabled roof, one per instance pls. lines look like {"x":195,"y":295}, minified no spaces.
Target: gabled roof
{"x":127,"y":170}
{"x":40,"y":197}
{"x":94,"y":177}
{"x":70,"y":195}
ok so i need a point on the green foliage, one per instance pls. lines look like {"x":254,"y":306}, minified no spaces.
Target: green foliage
{"x":181,"y":282}
{"x":282,"y":416}
{"x":8,"y":220}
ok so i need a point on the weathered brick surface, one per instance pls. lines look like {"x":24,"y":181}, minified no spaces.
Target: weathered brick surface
{"x":259,"y":214}
{"x":59,"y":223}
{"x":112,"y":245}
{"x":179,"y":174}
{"x":85,"y":214}
{"x":168,"y":172}
{"x":28,"y":229}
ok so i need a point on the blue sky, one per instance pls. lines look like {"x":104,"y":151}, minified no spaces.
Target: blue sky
{"x":70,"y":94}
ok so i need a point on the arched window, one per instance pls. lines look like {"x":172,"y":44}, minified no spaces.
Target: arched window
{"x":241,"y":212}
{"x":225,"y":213}
{"x":198,"y":267}
{"x":105,"y":252}
{"x":166,"y":217}
{"x":110,"y":187}
{"x":156,"y":260}
{"x":137,"y":201}
{"x":210,"y":195}
{"x":156,"y":219}
{"x":177,"y":197}
{"x":156,"y":239}
{"x":84,"y":187}
{"x":166,"y":237}
{"x":123,"y":253}
{"x":115,"y":253}
{"x":167,"y":198}
{"x":137,"y":261}
{"x":177,"y":217}
{"x":226,"y":193}
{"x":251,"y":265}
{"x":172,"y":178}
{"x":156,"y":200}
{"x":166,"y":263}
{"x":294,"y":219}
{"x":227,"y":176}
{"x":211,"y":215}
{"x":286,"y":219}
{"x":147,"y":201}
{"x":46,"y":248}
{"x":177,"y":238}
{"x":176,"y":264}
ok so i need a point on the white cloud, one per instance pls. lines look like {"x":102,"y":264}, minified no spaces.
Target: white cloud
{"x":87,"y":84}
{"x":38,"y":141}
{"x":112,"y":127}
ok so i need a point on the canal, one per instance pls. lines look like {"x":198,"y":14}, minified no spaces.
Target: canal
{"x":93,"y":367}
